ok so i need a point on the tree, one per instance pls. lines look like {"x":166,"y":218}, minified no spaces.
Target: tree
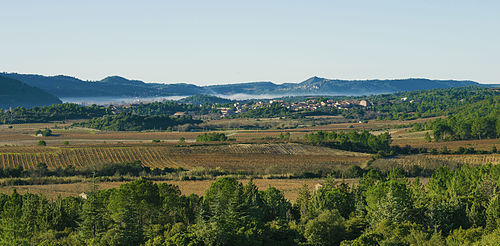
{"x":13,"y":230}
{"x":94,"y":222}
{"x":326,"y":229}
{"x":276,"y":206}
{"x":302,"y":204}
{"x":390,"y":201}
{"x":493,"y":213}
{"x":333,"y":197}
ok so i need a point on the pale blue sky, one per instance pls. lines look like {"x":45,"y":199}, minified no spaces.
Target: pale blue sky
{"x":213,"y":42}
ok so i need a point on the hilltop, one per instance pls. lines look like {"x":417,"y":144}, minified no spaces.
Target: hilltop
{"x":14,"y":93}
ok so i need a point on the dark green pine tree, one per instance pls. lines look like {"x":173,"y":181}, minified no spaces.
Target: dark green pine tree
{"x":126,"y":230}
{"x":12,"y":229}
{"x":92,"y":225}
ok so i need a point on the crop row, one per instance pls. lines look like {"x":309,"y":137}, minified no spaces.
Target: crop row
{"x":80,"y":157}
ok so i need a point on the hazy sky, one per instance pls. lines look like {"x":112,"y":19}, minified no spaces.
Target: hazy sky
{"x":212,"y":42}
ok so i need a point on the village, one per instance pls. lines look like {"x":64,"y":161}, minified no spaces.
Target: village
{"x":306,"y":105}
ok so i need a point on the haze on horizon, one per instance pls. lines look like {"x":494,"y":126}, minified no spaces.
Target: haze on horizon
{"x":216,"y":42}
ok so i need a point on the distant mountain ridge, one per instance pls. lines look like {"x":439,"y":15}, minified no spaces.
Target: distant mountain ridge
{"x":14,"y":93}
{"x":115,"y":86}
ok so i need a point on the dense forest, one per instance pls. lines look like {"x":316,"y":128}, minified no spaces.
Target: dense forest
{"x":460,"y":207}
{"x":133,"y":122}
{"x":166,"y":108}
{"x":428,"y":103}
{"x":205,"y":99}
{"x":71,"y":111}
{"x":475,"y":121}
{"x":57,"y":112}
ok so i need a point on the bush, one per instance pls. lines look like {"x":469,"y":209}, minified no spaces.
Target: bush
{"x":42,"y":143}
{"x":44,"y":132}
{"x":156,"y":141}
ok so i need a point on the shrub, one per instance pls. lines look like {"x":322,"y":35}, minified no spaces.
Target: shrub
{"x":208,"y":137}
{"x":44,"y":132}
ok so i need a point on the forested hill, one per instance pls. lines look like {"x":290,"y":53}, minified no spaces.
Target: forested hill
{"x":64,"y":86}
{"x":204,"y":99}
{"x":14,"y":93}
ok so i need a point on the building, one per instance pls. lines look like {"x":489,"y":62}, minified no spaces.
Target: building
{"x":364,"y":103}
{"x":179,"y":114}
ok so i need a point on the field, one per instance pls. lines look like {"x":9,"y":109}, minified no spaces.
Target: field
{"x":255,"y":152}
{"x":256,"y":158}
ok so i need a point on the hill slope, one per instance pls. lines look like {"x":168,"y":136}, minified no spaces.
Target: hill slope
{"x":204,"y":99}
{"x":64,"y":86}
{"x":14,"y":93}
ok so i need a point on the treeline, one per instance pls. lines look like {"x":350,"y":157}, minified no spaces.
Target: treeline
{"x":166,"y":108}
{"x":427,"y":103}
{"x":455,"y":208}
{"x":133,"y":122}
{"x":209,"y":137}
{"x":477,"y":121}
{"x":352,"y":141}
{"x":71,"y":111}
{"x":133,"y":168}
{"x":203,"y":99}
{"x":57,"y":112}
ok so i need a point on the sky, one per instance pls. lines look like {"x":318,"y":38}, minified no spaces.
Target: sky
{"x":217,"y":42}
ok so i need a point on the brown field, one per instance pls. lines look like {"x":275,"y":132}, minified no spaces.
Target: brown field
{"x":92,"y":147}
{"x":255,"y":158}
{"x":254,"y":152}
{"x":23,"y":134}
